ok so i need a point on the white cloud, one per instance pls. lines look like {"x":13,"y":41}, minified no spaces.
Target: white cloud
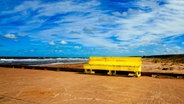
{"x":150,"y":27}
{"x":77,"y":47}
{"x":117,"y":13}
{"x":124,"y":14}
{"x":133,"y":28}
{"x":24,"y":6}
{"x":50,"y":9}
{"x":141,"y":51}
{"x":174,"y":50}
{"x":21,"y":35}
{"x":58,"y":51}
{"x":63,"y":42}
{"x":182,"y":43}
{"x":88,"y":30}
{"x":10,"y":36}
{"x":52,"y":43}
{"x":139,"y":28}
{"x":169,"y":50}
{"x":60,"y":7}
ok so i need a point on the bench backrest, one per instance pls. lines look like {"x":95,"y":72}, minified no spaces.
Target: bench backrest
{"x":125,"y":61}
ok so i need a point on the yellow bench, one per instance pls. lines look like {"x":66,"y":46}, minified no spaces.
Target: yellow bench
{"x":113,"y":64}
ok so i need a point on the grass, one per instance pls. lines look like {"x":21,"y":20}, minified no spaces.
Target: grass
{"x":173,"y":59}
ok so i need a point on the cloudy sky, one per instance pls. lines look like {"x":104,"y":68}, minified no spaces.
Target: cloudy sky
{"x":80,"y":28}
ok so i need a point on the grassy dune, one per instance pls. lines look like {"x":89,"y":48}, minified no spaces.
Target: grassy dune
{"x":167,"y":58}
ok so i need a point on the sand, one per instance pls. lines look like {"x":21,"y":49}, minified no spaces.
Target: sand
{"x":28,"y":86}
{"x":25,"y":86}
{"x":149,"y":65}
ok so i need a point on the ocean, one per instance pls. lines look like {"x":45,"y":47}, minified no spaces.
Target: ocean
{"x":39,"y":61}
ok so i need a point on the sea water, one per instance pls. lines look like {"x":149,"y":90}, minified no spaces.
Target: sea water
{"x":40,"y":61}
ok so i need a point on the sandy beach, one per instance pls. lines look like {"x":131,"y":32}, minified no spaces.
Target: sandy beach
{"x":27,"y":86}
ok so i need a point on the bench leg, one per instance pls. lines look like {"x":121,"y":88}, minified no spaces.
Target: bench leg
{"x":109,"y":73}
{"x":138,"y":74}
{"x":86,"y":71}
{"x":91,"y":71}
{"x":114,"y":72}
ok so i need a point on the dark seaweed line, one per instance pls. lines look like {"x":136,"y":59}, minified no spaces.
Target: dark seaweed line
{"x":157,"y":74}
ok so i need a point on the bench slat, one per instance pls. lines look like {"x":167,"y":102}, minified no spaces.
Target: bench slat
{"x":115,"y":58}
{"x":125,"y":63}
{"x":112,"y":67}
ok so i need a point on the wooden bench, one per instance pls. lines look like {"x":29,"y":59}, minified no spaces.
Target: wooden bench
{"x":113,"y":64}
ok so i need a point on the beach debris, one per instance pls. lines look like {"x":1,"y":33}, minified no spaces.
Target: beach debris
{"x":165,"y":68}
{"x":131,"y":74}
{"x":171,"y":68}
{"x":179,"y":77}
{"x":154,"y":75}
{"x":58,"y":69}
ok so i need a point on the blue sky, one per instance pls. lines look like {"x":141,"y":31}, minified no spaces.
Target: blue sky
{"x":81,"y":28}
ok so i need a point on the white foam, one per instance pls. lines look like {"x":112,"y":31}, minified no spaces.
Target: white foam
{"x":46,"y":60}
